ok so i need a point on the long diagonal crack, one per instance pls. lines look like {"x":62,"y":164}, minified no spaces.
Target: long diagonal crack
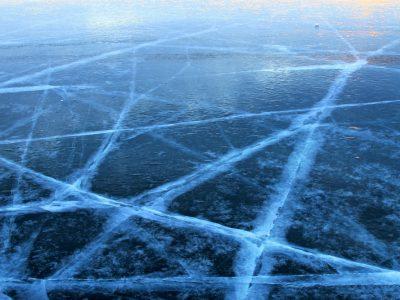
{"x":158,"y":199}
{"x":9,"y":226}
{"x":93,"y":201}
{"x":197,"y":122}
{"x":87,"y":60}
{"x":161,"y":196}
{"x":185,"y":283}
{"x":296,"y":170}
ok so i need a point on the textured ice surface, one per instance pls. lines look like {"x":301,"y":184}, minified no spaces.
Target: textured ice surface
{"x":199,"y":150}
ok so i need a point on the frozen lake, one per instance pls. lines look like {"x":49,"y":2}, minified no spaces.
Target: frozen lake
{"x":187,"y":150}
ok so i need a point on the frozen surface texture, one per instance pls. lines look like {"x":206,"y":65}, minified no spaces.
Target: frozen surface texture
{"x":199,"y":149}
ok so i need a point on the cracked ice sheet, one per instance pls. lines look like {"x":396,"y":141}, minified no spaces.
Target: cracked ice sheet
{"x":380,"y":125}
{"x":236,"y":197}
{"x":353,"y":292}
{"x":297,"y":264}
{"x":185,"y":149}
{"x":354,"y":215}
{"x":144,"y":164}
{"x":228,"y":59}
{"x":383,"y":120}
{"x":16,"y":113}
{"x":355,"y":35}
{"x":50,"y":239}
{"x":149,"y":293}
{"x":73,"y":106}
{"x":65,"y":111}
{"x":222,"y":47}
{"x":371,"y":85}
{"x":46,"y":241}
{"x":249,"y":92}
{"x":72,"y":33}
{"x":66,"y":155}
{"x":29,"y":190}
{"x":56,"y":54}
{"x":140,"y":247}
{"x":216,"y":139}
{"x":113,"y":73}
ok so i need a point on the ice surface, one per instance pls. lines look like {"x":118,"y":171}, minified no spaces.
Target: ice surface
{"x":238,"y":153}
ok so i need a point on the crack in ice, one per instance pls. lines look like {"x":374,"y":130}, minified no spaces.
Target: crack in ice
{"x":96,"y":201}
{"x":9,"y":225}
{"x":194,"y":123}
{"x":187,"y":283}
{"x":353,"y":50}
{"x":161,"y":196}
{"x":296,"y":169}
{"x":98,"y":57}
